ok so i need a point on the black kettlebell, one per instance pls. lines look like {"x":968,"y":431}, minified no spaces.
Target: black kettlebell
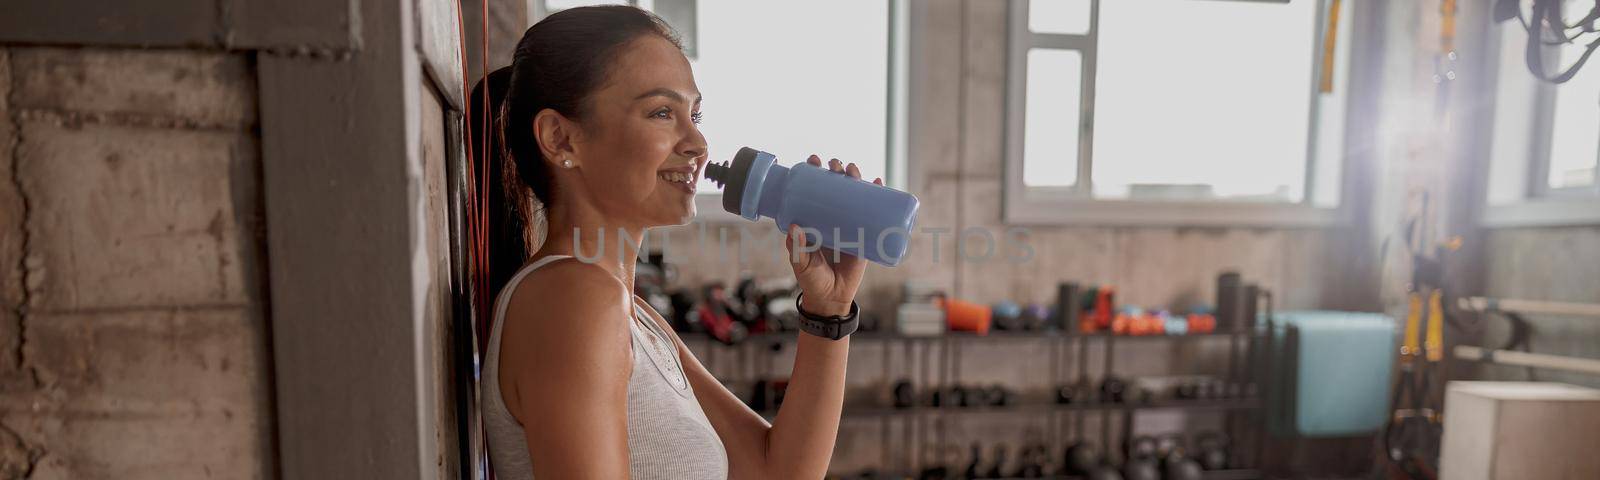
{"x":998,"y":396}
{"x":1104,"y":473}
{"x":1141,"y":470}
{"x":1182,"y":468}
{"x":759,"y":396}
{"x":1030,"y":461}
{"x":1187,"y":390}
{"x":962,"y":396}
{"x":1175,"y":461}
{"x":972,"y":468}
{"x":1143,"y":447}
{"x":1113,"y":390}
{"x":1213,"y":448}
{"x":1082,"y":458}
{"x":1141,"y":464}
{"x":904,"y":395}
{"x":999,"y":462}
{"x":1066,"y":394}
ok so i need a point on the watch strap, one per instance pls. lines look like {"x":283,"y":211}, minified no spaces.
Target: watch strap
{"x":829,"y":327}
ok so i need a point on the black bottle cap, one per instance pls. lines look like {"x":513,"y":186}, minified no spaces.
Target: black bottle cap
{"x":732,"y":178}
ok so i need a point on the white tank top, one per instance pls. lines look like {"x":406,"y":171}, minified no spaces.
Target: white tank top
{"x":668,"y":434}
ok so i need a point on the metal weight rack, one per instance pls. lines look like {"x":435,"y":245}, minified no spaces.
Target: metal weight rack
{"x":921,"y":433}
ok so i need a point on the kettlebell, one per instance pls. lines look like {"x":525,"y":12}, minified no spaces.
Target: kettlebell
{"x":999,"y":462}
{"x":1143,"y":447}
{"x":1175,"y":461}
{"x":1170,"y":449}
{"x":1030,"y":461}
{"x":972,"y":468}
{"x":1182,"y":468}
{"x":961,"y":396}
{"x":1104,"y":472}
{"x":1141,"y":464}
{"x":1066,"y":394}
{"x":1082,"y":458}
{"x":1113,"y":390}
{"x":1144,"y":469}
{"x":1213,"y":448}
{"x":904,"y":395}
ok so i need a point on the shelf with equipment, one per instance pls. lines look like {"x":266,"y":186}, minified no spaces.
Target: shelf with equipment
{"x":1228,"y":474}
{"x":968,"y":336}
{"x":930,"y":359}
{"x":869,"y":411}
{"x":914,"y":432}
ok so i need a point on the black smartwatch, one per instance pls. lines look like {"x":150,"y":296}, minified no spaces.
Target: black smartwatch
{"x":829,"y":327}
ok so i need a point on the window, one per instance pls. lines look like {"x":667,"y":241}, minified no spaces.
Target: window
{"x":793,"y":79}
{"x":1546,"y":137}
{"x":1174,"y":111}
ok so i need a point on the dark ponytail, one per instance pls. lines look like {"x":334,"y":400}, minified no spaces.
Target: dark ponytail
{"x":558,"y":65}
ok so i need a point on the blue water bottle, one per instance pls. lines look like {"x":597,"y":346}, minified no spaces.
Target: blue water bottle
{"x":851,"y":215}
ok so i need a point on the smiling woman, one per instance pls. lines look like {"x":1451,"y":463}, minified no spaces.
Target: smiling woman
{"x":598,"y":131}
{"x":830,"y":56}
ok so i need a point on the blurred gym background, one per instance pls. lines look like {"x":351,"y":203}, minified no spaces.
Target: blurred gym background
{"x":1219,"y":239}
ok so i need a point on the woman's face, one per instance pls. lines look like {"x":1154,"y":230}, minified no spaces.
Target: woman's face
{"x":641,"y":151}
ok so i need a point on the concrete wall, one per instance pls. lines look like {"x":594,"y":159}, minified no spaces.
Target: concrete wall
{"x":143,"y":158}
{"x":134,"y":324}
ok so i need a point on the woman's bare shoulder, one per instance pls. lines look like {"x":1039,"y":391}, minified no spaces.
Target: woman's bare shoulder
{"x":570,"y":309}
{"x":566,"y":329}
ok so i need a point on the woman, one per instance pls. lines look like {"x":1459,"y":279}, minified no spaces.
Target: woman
{"x":597,"y":121}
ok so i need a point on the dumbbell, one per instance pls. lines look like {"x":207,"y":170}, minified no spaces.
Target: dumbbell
{"x":1187,"y":390}
{"x":1144,"y":395}
{"x":1007,"y":316}
{"x":1035,"y":316}
{"x":951,"y":396}
{"x":998,"y":396}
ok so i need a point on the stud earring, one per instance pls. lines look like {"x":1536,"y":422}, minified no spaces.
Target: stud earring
{"x":566,"y":163}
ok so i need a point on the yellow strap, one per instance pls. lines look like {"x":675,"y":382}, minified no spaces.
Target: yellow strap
{"x":1435,"y":342}
{"x":1447,"y":25}
{"x":1329,"y":40}
{"x":1410,"y":346}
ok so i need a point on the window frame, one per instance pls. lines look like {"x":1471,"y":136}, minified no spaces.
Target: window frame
{"x":708,"y":206}
{"x":1042,"y":205}
{"x":1532,"y":203}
